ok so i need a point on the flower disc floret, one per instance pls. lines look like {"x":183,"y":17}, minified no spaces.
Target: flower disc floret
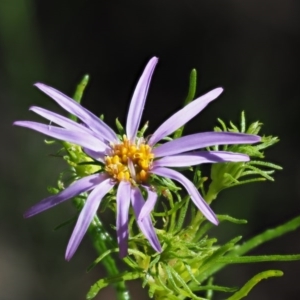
{"x":129,"y":161}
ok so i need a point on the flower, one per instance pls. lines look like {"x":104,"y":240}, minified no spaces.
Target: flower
{"x":129,"y":161}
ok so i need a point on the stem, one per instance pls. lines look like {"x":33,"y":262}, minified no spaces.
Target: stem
{"x":254,"y":242}
{"x":192,"y":230}
{"x":102,"y":241}
{"x":211,"y":194}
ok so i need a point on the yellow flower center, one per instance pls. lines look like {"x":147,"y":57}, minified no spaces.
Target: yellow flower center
{"x":129,"y":161}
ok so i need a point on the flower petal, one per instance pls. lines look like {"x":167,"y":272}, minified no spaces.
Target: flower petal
{"x":202,"y":140}
{"x":145,"y":225}
{"x":138,"y":100}
{"x":97,"y":155}
{"x":86,"y":215}
{"x":183,"y":116}
{"x":199,"y":157}
{"x":60,"y":120}
{"x":71,"y":106}
{"x":149,"y":204}
{"x":123,"y":202}
{"x":191,"y":189}
{"x":80,"y":186}
{"x":80,"y":138}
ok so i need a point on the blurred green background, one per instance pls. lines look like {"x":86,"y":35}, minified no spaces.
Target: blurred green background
{"x":250,"y":47}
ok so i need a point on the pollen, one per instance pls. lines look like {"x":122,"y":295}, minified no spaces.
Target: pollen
{"x":128,"y":161}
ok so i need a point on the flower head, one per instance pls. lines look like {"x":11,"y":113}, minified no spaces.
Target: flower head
{"x":129,"y":161}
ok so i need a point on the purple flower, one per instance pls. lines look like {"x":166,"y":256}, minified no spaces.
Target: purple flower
{"x":129,"y":161}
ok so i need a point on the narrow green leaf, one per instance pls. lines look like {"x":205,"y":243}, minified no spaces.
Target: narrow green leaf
{"x":267,"y":236}
{"x":206,"y":226}
{"x":231,"y":219}
{"x":215,"y":288}
{"x":102,"y":283}
{"x":243,"y":122}
{"x":182,"y":213}
{"x":224,"y":127}
{"x":53,"y":190}
{"x":170,"y":278}
{"x":164,"y":285}
{"x":192,"y":87}
{"x":176,"y":206}
{"x":154,"y":261}
{"x":184,"y":285}
{"x":120,"y":127}
{"x":81,"y":87}
{"x":101,"y":257}
{"x":255,"y":242}
{"x":233,"y":127}
{"x":137,"y":253}
{"x":79,"y":92}
{"x":70,"y":221}
{"x":49,"y":142}
{"x":256,"y":258}
{"x":190,"y":271}
{"x":210,"y":262}
{"x":202,"y":231}
{"x":190,"y":96}
{"x":265,"y":164}
{"x":243,"y":292}
{"x":142,"y":131}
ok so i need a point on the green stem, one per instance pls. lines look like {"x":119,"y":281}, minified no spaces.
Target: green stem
{"x":211,"y":194}
{"x":102,"y":241}
{"x":192,"y":230}
{"x":254,"y":242}
{"x":266,"y":236}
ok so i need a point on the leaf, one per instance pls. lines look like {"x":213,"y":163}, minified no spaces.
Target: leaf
{"x":101,"y":257}
{"x":70,"y":221}
{"x":102,"y":283}
{"x":120,"y":127}
{"x":210,"y":262}
{"x":216,"y":288}
{"x":243,"y":292}
{"x":231,"y":219}
{"x":79,"y":92}
{"x":190,"y":96}
{"x":256,"y":258}
{"x":267,"y":235}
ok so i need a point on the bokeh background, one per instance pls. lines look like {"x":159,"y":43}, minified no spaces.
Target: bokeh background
{"x":249,"y":47}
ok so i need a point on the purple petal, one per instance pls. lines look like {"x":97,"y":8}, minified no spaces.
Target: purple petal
{"x":149,"y":204}
{"x":202,"y":140}
{"x":80,"y":138}
{"x":123,"y":202}
{"x":199,"y":157}
{"x":60,"y":120}
{"x":97,"y":155}
{"x":183,"y":116}
{"x":191,"y":189}
{"x":79,"y":111}
{"x":146,"y":225}
{"x":138,"y":100}
{"x":86,"y":215}
{"x":80,"y":186}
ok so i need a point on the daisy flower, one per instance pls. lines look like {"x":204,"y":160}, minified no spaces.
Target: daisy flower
{"x":130,"y":161}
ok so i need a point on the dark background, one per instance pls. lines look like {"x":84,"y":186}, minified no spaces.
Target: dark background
{"x":249,"y":47}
